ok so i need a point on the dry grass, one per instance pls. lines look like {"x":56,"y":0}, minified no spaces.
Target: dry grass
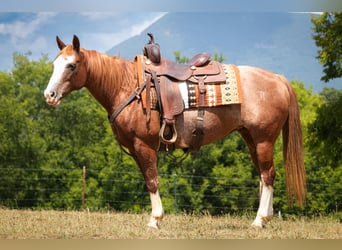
{"x":26,"y":224}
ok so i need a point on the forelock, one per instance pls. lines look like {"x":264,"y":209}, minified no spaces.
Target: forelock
{"x":67,"y":51}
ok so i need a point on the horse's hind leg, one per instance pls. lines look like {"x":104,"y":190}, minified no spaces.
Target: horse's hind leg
{"x":262,"y":156}
{"x":146,"y":158}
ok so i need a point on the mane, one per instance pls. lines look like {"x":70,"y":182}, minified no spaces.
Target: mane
{"x":109,"y":72}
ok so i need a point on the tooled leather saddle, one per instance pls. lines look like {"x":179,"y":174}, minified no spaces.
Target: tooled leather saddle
{"x":165,"y":75}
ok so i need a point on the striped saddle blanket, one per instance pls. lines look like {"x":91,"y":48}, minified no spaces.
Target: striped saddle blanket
{"x":216,"y":94}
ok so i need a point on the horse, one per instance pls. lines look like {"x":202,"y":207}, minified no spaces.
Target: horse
{"x":269,"y":106}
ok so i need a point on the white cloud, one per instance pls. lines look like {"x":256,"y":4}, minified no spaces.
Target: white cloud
{"x":105,"y":41}
{"x":21,"y":30}
{"x":138,"y":28}
{"x":22,"y":36}
{"x":99,"y":15}
{"x":97,"y":30}
{"x":38,"y":45}
{"x":306,"y":12}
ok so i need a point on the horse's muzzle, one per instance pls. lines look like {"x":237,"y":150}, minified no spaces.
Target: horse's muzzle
{"x":52,"y":98}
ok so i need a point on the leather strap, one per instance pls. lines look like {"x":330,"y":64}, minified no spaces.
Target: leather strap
{"x":197,"y":134}
{"x":201,"y":89}
{"x":148,"y":98}
{"x":157,"y":87}
{"x":135,"y":95}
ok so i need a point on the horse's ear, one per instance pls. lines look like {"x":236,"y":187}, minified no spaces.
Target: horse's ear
{"x":76,"y":44}
{"x":60,"y":43}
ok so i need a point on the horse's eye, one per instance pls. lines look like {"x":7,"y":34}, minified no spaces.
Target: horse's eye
{"x":71,"y":66}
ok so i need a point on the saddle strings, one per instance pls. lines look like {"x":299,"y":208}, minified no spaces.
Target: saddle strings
{"x":178,"y":160}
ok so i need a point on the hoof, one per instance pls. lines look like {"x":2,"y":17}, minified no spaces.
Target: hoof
{"x":153,"y":223}
{"x":260,"y":222}
{"x":257,"y":224}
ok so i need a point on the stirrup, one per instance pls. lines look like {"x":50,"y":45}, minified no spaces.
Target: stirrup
{"x":173,"y":131}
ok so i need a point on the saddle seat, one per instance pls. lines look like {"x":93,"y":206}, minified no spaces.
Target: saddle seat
{"x":181,"y":71}
{"x":199,"y":65}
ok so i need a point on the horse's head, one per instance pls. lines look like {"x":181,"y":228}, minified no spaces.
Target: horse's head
{"x":68,"y":72}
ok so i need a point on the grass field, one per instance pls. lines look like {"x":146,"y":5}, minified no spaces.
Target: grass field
{"x":26,"y":224}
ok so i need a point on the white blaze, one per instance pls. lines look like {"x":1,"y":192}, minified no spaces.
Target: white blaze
{"x":58,"y":69}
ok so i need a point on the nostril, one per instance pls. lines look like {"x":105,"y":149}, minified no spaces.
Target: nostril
{"x":52,"y":93}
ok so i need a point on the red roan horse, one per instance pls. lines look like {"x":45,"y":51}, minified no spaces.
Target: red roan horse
{"x":269,"y":106}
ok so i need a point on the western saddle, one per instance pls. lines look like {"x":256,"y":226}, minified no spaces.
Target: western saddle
{"x":165,"y":75}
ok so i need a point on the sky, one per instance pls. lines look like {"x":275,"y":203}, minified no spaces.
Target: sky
{"x":32,"y":25}
{"x":36,"y":32}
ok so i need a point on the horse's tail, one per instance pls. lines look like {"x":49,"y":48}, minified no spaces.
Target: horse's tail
{"x":293,"y":152}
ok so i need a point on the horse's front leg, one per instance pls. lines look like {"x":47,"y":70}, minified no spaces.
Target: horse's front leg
{"x":146,"y":159}
{"x":157,"y":210}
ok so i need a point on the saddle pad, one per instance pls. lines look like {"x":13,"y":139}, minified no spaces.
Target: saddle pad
{"x":225,"y":93}
{"x":228,"y":92}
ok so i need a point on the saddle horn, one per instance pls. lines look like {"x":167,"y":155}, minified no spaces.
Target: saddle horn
{"x":152,"y":50}
{"x":151,"y":38}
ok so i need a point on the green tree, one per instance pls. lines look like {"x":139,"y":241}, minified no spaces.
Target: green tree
{"x":219,"y":178}
{"x":179,"y":58}
{"x":219,"y":57}
{"x":326,"y":130}
{"x":183,"y":59}
{"x":43,"y":149}
{"x":21,"y":148}
{"x":327,"y":35}
{"x":324,"y":143}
